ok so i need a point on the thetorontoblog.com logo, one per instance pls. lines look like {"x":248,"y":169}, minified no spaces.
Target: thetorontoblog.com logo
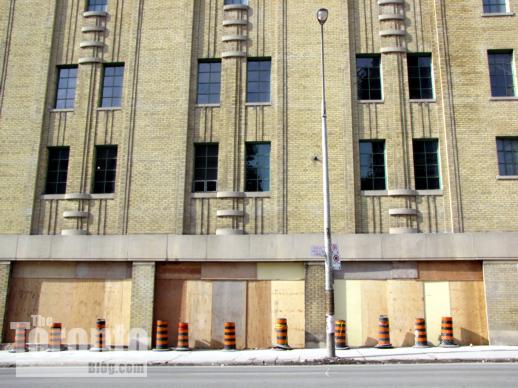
{"x":116,"y":369}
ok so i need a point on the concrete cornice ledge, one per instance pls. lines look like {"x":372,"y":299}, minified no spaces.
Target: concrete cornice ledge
{"x":277,"y":247}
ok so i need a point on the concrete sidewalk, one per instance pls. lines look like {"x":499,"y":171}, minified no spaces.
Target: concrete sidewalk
{"x":264,"y":357}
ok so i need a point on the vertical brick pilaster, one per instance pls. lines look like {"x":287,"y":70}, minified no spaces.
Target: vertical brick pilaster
{"x":5,"y":269}
{"x":142,"y":297}
{"x":500,"y":280}
{"x":315,"y":306}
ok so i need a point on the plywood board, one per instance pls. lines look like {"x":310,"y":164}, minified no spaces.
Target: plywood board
{"x":258,"y":320}
{"x":170,"y":305}
{"x":450,"y":270}
{"x":117,"y":306}
{"x":42,"y":270}
{"x":198,"y":300}
{"x":179,"y":271}
{"x":468,"y":309}
{"x":227,"y":271}
{"x":437,"y":305}
{"x":288,"y":302}
{"x":405,"y":302}
{"x":374,"y":298}
{"x":228,"y":305}
{"x":340,"y":299}
{"x":280,"y":271}
{"x":353,"y":316}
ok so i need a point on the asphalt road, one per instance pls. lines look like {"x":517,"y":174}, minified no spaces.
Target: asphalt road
{"x":423,"y":375}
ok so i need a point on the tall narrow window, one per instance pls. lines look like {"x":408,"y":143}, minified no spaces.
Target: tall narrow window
{"x":97,"y":5}
{"x":66,"y":88}
{"x":501,"y":73}
{"x":257,"y":167}
{"x":205,"y":167}
{"x":495,"y":6}
{"x":507,"y":148}
{"x":372,"y":164}
{"x":112,"y":86}
{"x":105,"y":168}
{"x":426,"y":164}
{"x":209,"y":82}
{"x":258,"y":80}
{"x":420,"y":76}
{"x":57,"y":170}
{"x":368,"y":77}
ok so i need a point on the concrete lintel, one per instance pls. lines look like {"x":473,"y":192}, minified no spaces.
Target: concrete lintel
{"x":493,"y":246}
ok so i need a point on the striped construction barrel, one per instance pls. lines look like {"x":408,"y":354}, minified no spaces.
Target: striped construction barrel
{"x":20,"y":337}
{"x":183,"y":336}
{"x":383,"y":333}
{"x":55,"y":337}
{"x":281,"y":334}
{"x":340,"y":337}
{"x":421,"y":341}
{"x":162,"y":336}
{"x":229,"y":336}
{"x":447,"y":333}
{"x":100,"y":336}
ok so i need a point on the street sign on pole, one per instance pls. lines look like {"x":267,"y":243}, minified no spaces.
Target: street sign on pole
{"x":335,"y":257}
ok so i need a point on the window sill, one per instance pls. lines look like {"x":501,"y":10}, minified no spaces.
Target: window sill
{"x":56,"y":110}
{"x":211,"y":194}
{"x":507,"y":177}
{"x":511,"y":98}
{"x":429,"y":192}
{"x":257,"y":194}
{"x":102,"y":196}
{"x":49,"y":197}
{"x":207,"y":105}
{"x":422,"y":101}
{"x":258,"y":103}
{"x":109,"y":108}
{"x":371,"y":101}
{"x":497,"y":14}
{"x":374,"y":193}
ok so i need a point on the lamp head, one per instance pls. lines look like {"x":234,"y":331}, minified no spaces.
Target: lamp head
{"x":322,"y":15}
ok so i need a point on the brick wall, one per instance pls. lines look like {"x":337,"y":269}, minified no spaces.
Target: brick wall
{"x":315,"y":306}
{"x":142,"y":297}
{"x":501,"y":282}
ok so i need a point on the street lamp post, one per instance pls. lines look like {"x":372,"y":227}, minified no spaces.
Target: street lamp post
{"x":322,"y":15}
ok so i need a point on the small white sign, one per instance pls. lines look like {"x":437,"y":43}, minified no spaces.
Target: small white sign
{"x":330,"y":324}
{"x":335,"y":257}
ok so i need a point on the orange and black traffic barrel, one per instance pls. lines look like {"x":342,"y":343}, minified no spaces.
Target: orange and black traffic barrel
{"x":383,"y":333}
{"x":100,"y":337}
{"x":183,"y":336}
{"x":229,"y":336}
{"x":20,"y":337}
{"x":162,"y":336}
{"x":55,"y":337}
{"x":281,"y":333}
{"x":447,"y":333}
{"x":421,"y":341}
{"x":340,"y":336}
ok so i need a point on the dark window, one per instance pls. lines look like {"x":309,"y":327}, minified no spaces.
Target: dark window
{"x":112,"y":86}
{"x":495,"y":6}
{"x":66,"y":89}
{"x":501,"y":73}
{"x":57,"y":170}
{"x":257,"y":167}
{"x":227,"y":2}
{"x":209,"y":82}
{"x":105,"y":168}
{"x":258,"y":80}
{"x":372,"y":164}
{"x":507,"y":155}
{"x":368,"y":77}
{"x":426,"y":164}
{"x":205,"y":167}
{"x":97,"y":5}
{"x":420,"y":76}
